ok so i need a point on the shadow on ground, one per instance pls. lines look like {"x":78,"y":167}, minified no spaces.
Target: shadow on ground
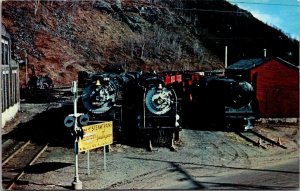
{"x":46,"y":127}
{"x":41,"y":168}
{"x":196,"y":184}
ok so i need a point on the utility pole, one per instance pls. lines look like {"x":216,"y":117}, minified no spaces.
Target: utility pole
{"x":226,"y":52}
{"x":26,"y":72}
{"x":265,"y":53}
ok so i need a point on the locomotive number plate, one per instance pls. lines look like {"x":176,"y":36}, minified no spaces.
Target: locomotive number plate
{"x":96,"y":135}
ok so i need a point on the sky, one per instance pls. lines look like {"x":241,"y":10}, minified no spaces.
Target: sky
{"x":284,"y":14}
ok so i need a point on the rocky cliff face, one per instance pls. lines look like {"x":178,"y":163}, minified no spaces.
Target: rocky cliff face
{"x":61,"y":38}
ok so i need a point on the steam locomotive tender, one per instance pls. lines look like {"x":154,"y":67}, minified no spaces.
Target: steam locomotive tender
{"x":152,"y":108}
{"x":225,"y":102}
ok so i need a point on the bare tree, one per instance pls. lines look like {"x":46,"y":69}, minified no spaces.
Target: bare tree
{"x":142,"y":50}
{"x":36,"y":6}
{"x":154,"y":44}
{"x":179,"y":53}
{"x":117,"y":3}
{"x":197,"y":49}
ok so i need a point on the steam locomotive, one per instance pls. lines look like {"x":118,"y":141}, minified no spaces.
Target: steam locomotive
{"x":102,"y":97}
{"x":153,"y":110}
{"x":224,"y":102}
{"x":140,"y":105}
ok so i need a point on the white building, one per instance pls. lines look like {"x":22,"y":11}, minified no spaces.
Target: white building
{"x":10,"y":91}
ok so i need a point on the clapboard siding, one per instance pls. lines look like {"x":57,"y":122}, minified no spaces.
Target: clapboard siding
{"x":277,"y":89}
{"x":276,"y":83}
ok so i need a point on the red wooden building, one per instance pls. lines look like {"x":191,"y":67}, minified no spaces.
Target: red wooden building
{"x":276,"y":83}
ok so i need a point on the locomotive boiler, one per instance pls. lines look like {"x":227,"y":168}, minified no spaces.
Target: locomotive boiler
{"x":224,"y":102}
{"x":153,"y":110}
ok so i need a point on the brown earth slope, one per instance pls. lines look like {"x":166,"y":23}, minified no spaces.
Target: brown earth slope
{"x":62,"y":38}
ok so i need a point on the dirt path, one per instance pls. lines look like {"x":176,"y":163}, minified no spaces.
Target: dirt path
{"x":205,"y":155}
{"x":201,"y":154}
{"x":284,"y":175}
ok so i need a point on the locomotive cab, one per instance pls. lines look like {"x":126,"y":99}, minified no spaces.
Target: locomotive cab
{"x":224,"y":102}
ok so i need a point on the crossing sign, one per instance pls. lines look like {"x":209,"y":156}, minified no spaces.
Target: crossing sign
{"x":96,"y":135}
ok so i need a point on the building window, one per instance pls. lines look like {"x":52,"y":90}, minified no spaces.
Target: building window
{"x":5,"y":52}
{"x":3,"y":93}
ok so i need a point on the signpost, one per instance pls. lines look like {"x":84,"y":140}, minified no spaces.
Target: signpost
{"x":86,"y":137}
{"x":96,"y":135}
{"x":77,"y":184}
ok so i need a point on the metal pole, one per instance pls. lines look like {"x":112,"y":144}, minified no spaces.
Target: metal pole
{"x":104,"y":157}
{"x":144,"y":109}
{"x":26,"y":72}
{"x":77,"y":184}
{"x":226,"y":52}
{"x":88,"y":162}
{"x":76,"y":178}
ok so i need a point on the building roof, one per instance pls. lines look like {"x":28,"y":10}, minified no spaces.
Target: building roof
{"x":248,"y":64}
{"x":4,"y":31}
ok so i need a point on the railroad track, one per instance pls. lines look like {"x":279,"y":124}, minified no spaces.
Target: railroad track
{"x":260,"y":140}
{"x":47,"y":95}
{"x":16,"y":164}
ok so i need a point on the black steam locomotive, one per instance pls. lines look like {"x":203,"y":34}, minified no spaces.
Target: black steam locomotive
{"x":102,"y":97}
{"x":140,"y":105}
{"x":153,"y":110}
{"x":224,"y":102}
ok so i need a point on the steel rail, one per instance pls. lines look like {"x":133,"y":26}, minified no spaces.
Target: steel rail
{"x":268,"y":139}
{"x":14,"y":153}
{"x":12,"y":183}
{"x":247,"y":138}
{"x":261,"y":137}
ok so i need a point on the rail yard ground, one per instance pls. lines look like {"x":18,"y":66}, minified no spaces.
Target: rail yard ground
{"x":202,"y":161}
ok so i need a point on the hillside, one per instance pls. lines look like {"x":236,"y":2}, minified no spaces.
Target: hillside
{"x":218,"y":23}
{"x":61,"y":37}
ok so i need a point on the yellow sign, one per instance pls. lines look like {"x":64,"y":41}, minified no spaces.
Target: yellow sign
{"x":96,"y":135}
